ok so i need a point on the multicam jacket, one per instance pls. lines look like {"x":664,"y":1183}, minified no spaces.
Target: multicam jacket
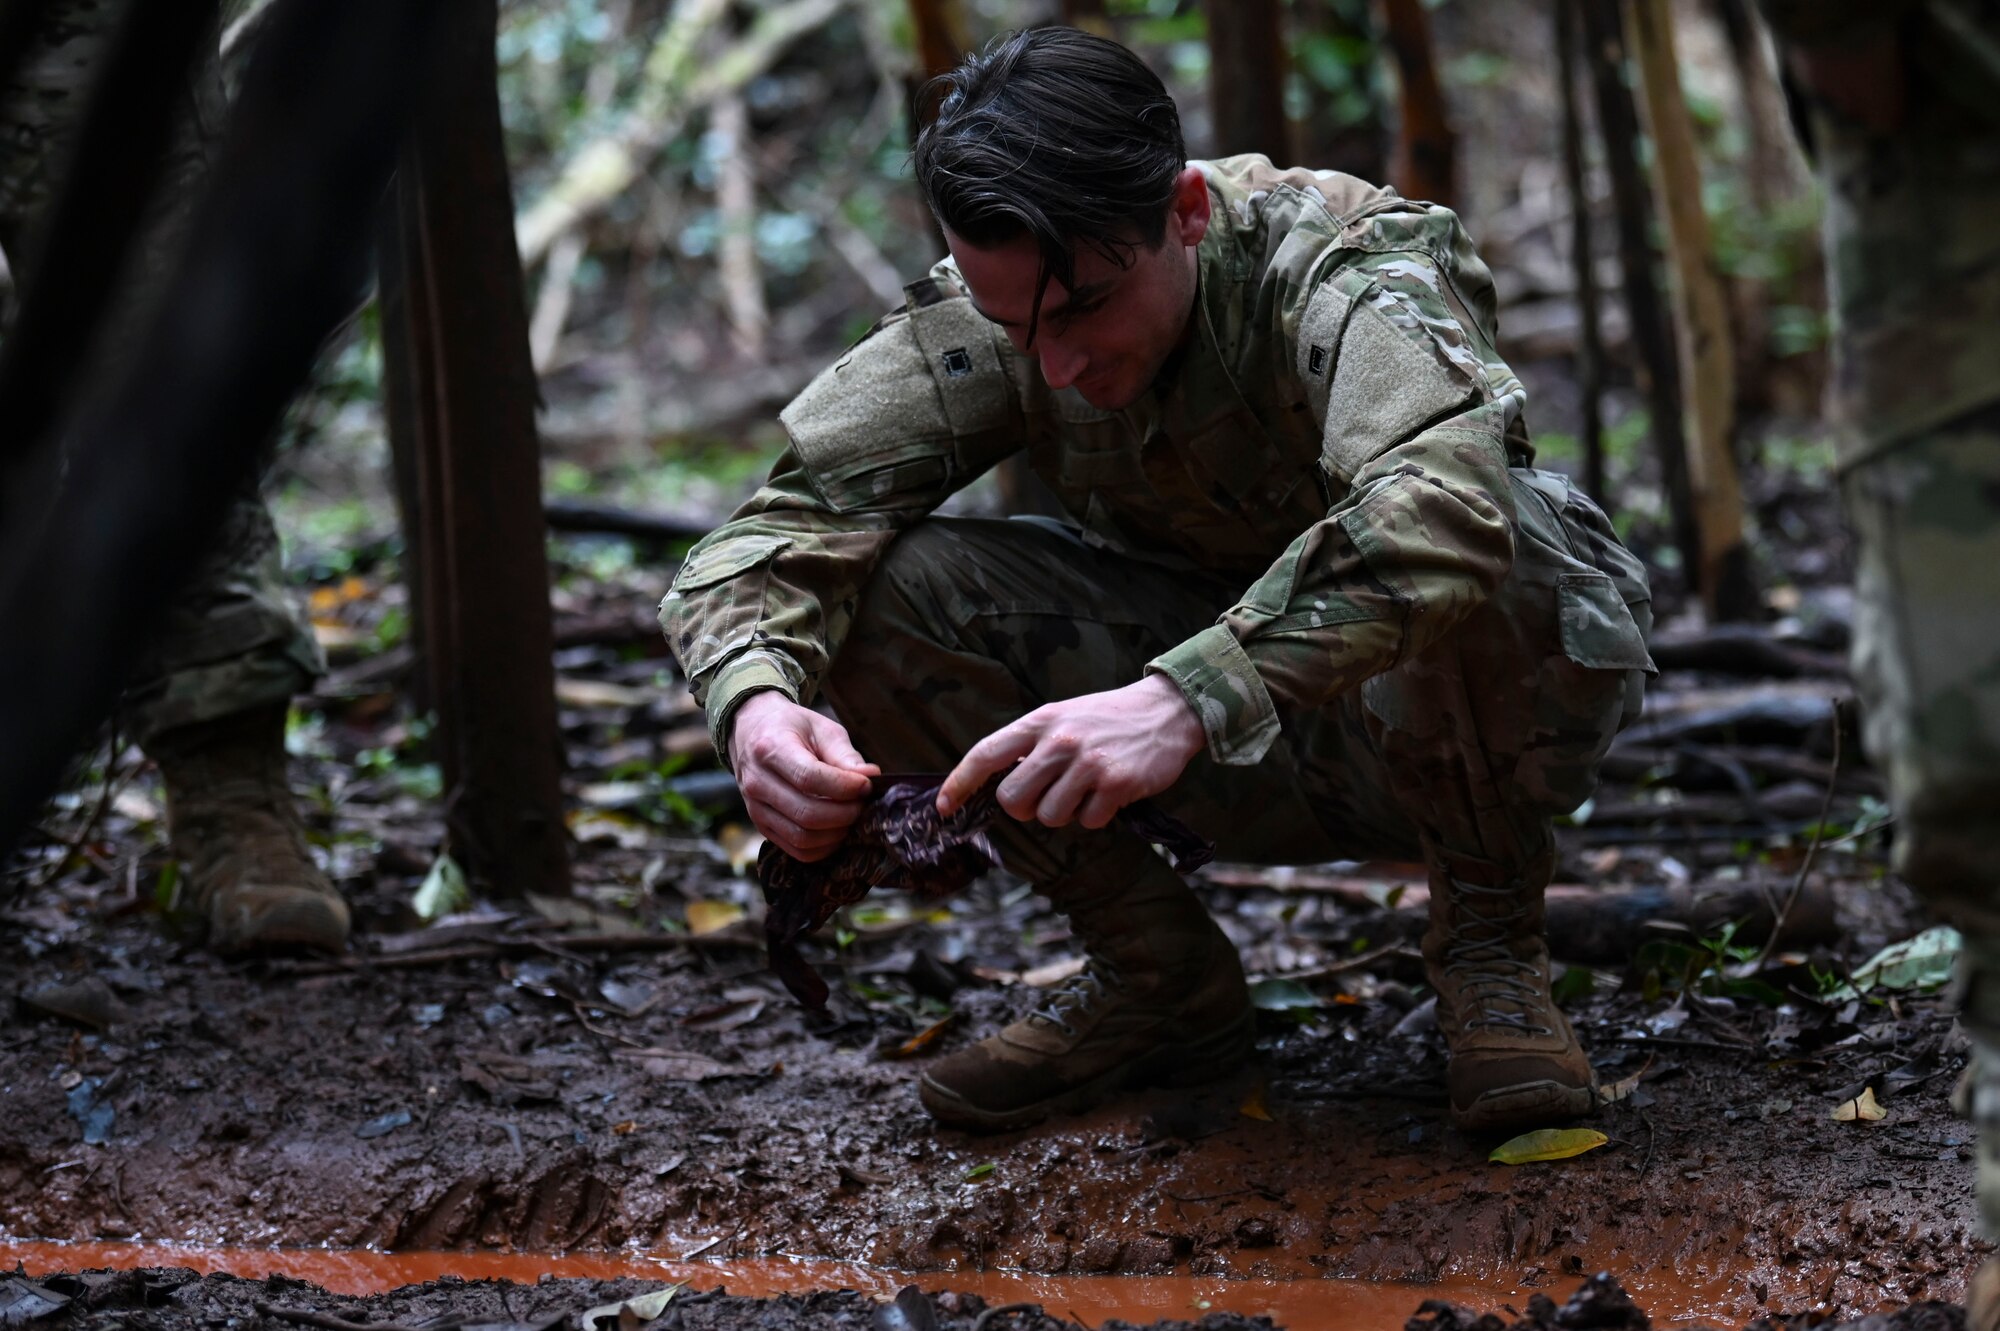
{"x":1339,"y":433}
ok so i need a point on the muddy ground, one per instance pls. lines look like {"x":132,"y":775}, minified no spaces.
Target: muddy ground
{"x":504,"y":1078}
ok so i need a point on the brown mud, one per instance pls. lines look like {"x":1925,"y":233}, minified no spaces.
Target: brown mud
{"x":676,"y":1103}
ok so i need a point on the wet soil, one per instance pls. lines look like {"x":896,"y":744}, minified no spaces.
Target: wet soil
{"x":544,"y":1090}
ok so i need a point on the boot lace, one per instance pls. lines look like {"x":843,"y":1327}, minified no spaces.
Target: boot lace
{"x":1079,"y":993}
{"x":1499,"y":988}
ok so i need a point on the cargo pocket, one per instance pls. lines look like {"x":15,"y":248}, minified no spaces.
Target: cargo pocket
{"x":717,"y":599}
{"x":1598,"y":628}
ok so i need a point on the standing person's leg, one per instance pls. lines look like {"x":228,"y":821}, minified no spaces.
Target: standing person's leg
{"x":209,"y":699}
{"x":970,"y":624}
{"x":1484,"y":739}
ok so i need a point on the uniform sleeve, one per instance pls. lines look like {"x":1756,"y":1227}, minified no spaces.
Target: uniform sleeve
{"x":914,"y":412}
{"x":1414,"y":428}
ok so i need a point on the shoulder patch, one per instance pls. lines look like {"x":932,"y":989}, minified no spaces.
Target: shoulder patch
{"x":1387,"y":380}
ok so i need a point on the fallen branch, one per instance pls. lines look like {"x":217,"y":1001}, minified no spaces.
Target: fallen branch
{"x":677,"y":82}
{"x":518,"y":947}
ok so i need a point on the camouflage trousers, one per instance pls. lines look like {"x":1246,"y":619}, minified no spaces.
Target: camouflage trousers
{"x":1470,"y":748}
{"x":231,"y":641}
{"x":1927,"y":664}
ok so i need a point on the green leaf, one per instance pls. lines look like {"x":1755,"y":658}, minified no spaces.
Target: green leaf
{"x":442,"y":892}
{"x":1923,"y":962}
{"x":1574,"y":983}
{"x":1279,"y":995}
{"x":167,"y":892}
{"x":980,"y":1170}
{"x":1548,"y":1144}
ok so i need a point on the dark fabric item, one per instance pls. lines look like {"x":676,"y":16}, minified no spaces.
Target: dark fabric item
{"x":902,"y":842}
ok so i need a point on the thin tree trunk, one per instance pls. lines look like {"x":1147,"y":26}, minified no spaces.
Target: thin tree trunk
{"x":941,"y":35}
{"x":1590,"y":338}
{"x":1426,"y":165}
{"x":1652,"y":331}
{"x":489,"y":635}
{"x":1246,"y":78}
{"x":736,"y":203}
{"x":1702,"y":321}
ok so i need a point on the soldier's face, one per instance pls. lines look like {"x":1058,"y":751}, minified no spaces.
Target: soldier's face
{"x":1109,"y":336}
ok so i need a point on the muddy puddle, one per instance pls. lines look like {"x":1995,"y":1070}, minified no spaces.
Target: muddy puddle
{"x":1301,"y":1305}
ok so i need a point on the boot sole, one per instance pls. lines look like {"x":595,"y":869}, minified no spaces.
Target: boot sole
{"x":1534,"y":1104}
{"x":1213,"y":1056}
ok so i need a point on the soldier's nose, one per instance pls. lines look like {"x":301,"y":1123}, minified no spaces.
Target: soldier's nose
{"x":1061,"y":367}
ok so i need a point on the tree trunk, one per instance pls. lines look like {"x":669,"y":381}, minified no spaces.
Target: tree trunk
{"x":941,"y":36}
{"x":1702,"y":321}
{"x":1090,"y":15}
{"x":1343,"y":128}
{"x":1426,"y":165}
{"x":1590,"y":338}
{"x":1652,"y":332}
{"x":1246,"y":78}
{"x":488,"y":634}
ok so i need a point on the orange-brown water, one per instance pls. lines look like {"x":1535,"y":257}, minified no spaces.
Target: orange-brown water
{"x":1303,"y":1305}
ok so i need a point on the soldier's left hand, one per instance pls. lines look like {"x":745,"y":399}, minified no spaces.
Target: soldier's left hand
{"x":1085,"y":758}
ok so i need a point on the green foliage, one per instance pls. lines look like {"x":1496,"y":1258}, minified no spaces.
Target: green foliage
{"x":1710,"y":966}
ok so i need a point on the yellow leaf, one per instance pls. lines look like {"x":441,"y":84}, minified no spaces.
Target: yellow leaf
{"x":740,"y":844}
{"x":1864,"y":1108}
{"x":705,"y":917}
{"x":1253,"y":1104}
{"x":1548,"y":1144}
{"x":923,"y":1039}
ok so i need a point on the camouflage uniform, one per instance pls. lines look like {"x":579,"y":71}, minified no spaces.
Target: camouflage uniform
{"x":1913,"y":250}
{"x":230,"y":642}
{"x":1436,"y":643}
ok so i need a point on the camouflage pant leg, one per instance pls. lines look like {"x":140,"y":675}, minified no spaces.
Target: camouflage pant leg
{"x":231,"y":641}
{"x":1927,"y":656}
{"x":1927,"y":664}
{"x":970,"y":624}
{"x":1500,"y":726}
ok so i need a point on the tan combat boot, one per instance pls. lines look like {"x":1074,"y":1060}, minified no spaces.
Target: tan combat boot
{"x":1161,"y":1002}
{"x":1515,"y":1063}
{"x":238,"y":835}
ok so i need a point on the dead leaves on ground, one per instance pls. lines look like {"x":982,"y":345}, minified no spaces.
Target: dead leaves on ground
{"x":1547,"y":1144}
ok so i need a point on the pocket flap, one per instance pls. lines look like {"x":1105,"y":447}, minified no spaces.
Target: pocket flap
{"x":726,"y":559}
{"x":1598,"y":630}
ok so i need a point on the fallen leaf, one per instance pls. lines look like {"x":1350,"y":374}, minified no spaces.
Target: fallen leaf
{"x":86,"y":1002}
{"x":626,"y":1128}
{"x":979,"y":1171}
{"x":1254,"y":1106}
{"x":599,"y":693}
{"x":1863,"y":1108}
{"x":1622,"y":1088}
{"x":614,"y":795}
{"x":739,"y":843}
{"x":1275,"y":994}
{"x":707,"y":917}
{"x":922,"y":1040}
{"x":442,"y":892}
{"x":1923,"y":962}
{"x":640,"y":1309}
{"x":1055,"y":972}
{"x":732,"y":1012}
{"x":608,"y":827}
{"x":23,"y":1300}
{"x":1548,"y":1144}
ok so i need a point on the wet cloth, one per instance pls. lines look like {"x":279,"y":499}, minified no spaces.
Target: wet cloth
{"x":903,"y":843}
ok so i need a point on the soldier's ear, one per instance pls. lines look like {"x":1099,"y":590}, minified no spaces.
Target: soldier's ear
{"x":1187,"y":217}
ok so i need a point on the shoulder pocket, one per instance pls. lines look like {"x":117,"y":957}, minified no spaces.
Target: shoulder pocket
{"x":1598,"y":630}
{"x":726,"y":559}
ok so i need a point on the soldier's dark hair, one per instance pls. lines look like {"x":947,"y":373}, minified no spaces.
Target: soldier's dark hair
{"x":1058,"y":135}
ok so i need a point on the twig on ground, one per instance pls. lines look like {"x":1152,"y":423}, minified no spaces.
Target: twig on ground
{"x":1780,"y":915}
{"x":1359,"y":961}
{"x":328,"y":1322}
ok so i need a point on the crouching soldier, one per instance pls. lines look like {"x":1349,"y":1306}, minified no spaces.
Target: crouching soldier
{"x":1309,"y":592}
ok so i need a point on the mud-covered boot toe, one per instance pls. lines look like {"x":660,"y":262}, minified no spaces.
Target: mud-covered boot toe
{"x":1092,"y":1035}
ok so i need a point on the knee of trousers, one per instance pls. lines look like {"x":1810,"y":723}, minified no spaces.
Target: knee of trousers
{"x":909,"y":617}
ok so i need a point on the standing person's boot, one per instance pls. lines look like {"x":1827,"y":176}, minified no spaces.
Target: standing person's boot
{"x":1162,"y":1002}
{"x":1515,"y":1063}
{"x":237,"y":832}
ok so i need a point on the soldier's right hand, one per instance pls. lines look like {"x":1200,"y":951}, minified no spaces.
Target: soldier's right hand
{"x":802,"y":778}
